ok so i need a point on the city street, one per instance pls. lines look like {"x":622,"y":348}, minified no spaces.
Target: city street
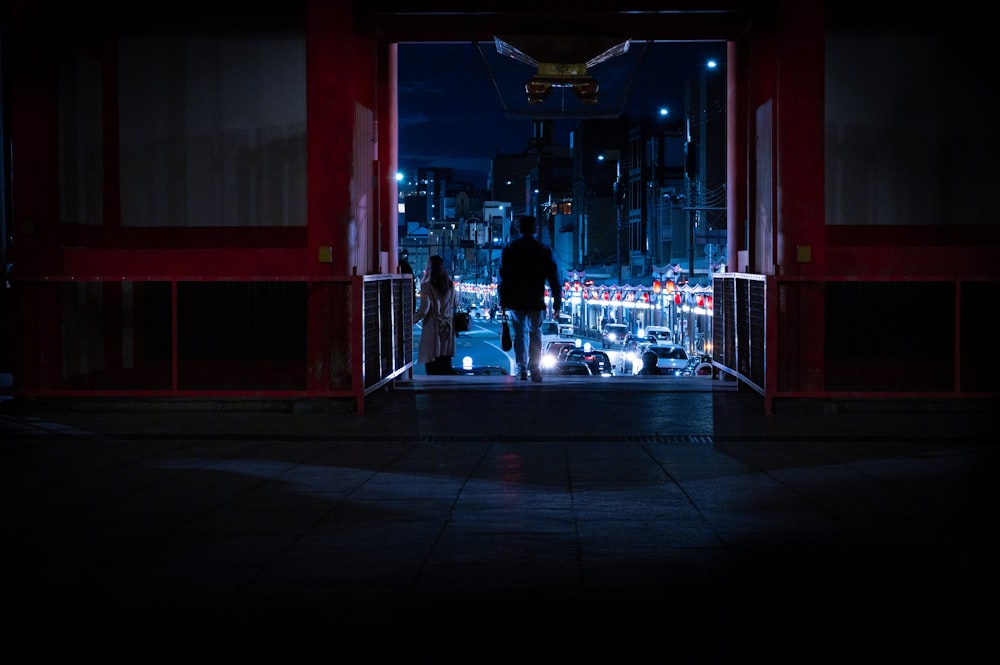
{"x":480,"y":347}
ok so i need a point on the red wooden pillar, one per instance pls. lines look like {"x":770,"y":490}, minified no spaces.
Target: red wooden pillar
{"x":800,"y":235}
{"x":736,"y":150}
{"x":330,"y":107}
{"x":388,"y":152}
{"x":33,"y":108}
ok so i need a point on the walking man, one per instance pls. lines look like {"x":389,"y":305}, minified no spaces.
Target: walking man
{"x":526,"y":264}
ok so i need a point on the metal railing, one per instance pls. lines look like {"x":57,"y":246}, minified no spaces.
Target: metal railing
{"x":856,"y":338}
{"x":233,"y":336}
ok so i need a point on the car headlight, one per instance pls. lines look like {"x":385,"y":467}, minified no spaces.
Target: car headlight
{"x":548,"y":361}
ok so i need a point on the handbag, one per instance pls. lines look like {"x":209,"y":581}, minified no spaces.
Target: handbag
{"x":506,"y":343}
{"x":461,"y":321}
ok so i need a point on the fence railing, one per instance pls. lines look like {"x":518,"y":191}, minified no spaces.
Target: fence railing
{"x":211,"y":336}
{"x":850,"y":338}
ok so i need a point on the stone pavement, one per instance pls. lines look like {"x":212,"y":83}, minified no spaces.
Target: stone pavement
{"x":480,"y":519}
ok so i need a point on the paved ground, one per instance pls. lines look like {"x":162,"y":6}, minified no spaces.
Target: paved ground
{"x":480,"y":519}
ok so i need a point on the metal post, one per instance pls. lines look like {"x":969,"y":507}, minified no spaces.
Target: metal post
{"x":618,"y":216}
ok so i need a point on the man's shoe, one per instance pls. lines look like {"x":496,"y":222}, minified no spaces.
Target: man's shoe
{"x":523,"y":376}
{"x":536,"y":376}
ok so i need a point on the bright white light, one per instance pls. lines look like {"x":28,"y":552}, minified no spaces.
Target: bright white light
{"x":664,"y":111}
{"x":711,"y":64}
{"x":467,"y":362}
{"x":399,"y":177}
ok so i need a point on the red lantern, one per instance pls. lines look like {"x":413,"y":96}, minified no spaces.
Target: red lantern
{"x":656,"y":286}
{"x":677,"y":298}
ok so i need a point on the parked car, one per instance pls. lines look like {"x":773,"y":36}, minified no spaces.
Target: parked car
{"x":613,"y":334}
{"x":599,"y":362}
{"x":670,"y":357}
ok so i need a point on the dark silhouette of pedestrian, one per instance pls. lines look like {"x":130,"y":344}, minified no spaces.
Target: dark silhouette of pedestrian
{"x":526,"y":264}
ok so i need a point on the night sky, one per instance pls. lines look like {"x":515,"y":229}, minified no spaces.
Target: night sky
{"x":452,"y":114}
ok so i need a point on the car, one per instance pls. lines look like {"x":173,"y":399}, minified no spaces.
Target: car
{"x":550,"y":353}
{"x":613,"y":334}
{"x":478,"y":312}
{"x":560,"y":326}
{"x":657,"y":334}
{"x":669,"y":357}
{"x":599,"y":362}
{"x":550,"y":329}
{"x":565,"y":324}
{"x":630,"y":357}
{"x":577,"y":344}
{"x":555,"y":345}
{"x":462,"y":321}
{"x":697,"y":366}
{"x":551,"y":332}
{"x":569,"y":368}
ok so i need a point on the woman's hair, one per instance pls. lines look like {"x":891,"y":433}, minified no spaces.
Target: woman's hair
{"x":437,"y":275}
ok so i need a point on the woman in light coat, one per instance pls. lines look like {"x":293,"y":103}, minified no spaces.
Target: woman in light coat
{"x":438,"y":302}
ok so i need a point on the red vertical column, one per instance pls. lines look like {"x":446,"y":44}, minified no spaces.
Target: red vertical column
{"x":33,"y":113}
{"x":800,"y":221}
{"x":388,"y":152}
{"x":330,"y":133}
